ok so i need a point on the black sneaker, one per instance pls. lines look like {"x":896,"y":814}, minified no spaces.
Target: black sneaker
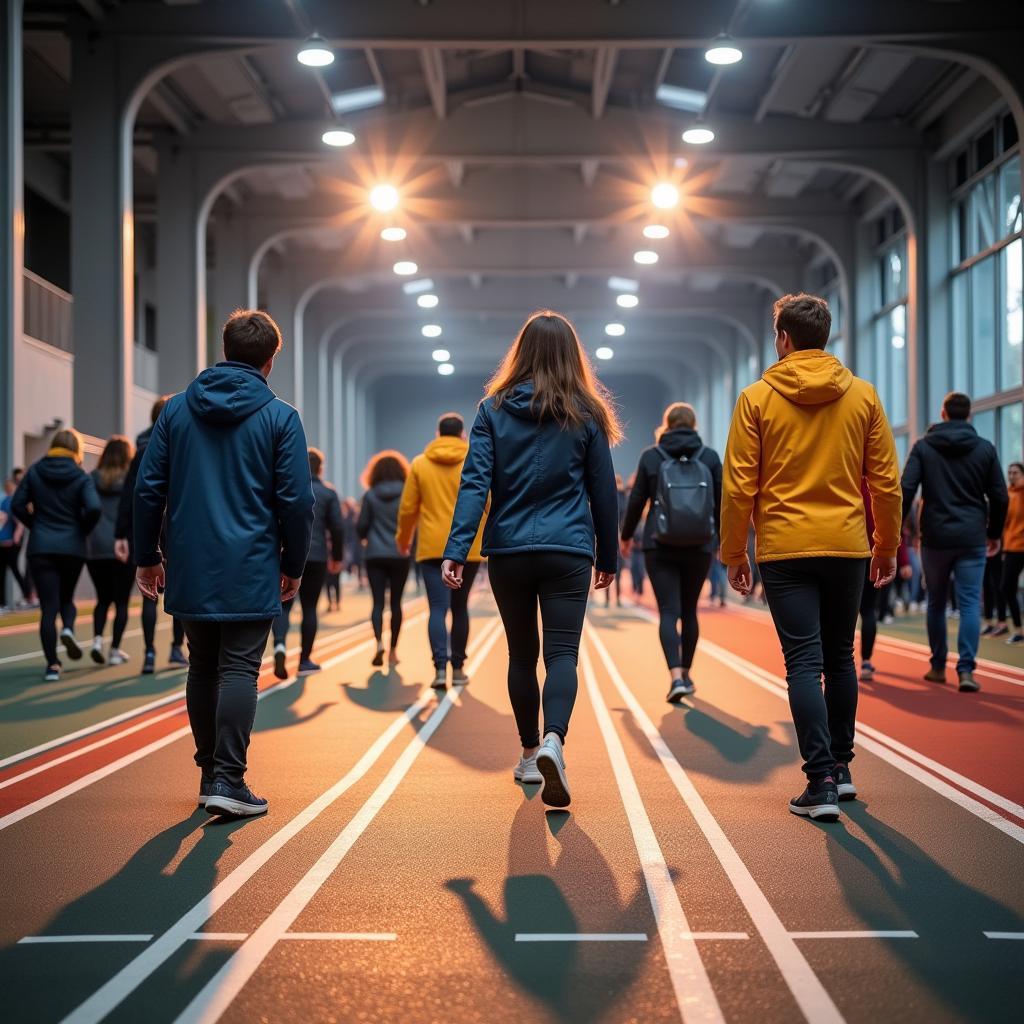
{"x":378,"y":658}
{"x":149,"y":663}
{"x":987,"y":630}
{"x":820,"y":801}
{"x":71,"y":645}
{"x":440,"y":679}
{"x":1017,"y":638}
{"x":280,"y":669}
{"x":236,"y":801}
{"x":205,"y":789}
{"x":844,"y":782}
{"x":867,"y":672}
{"x":307,"y":666}
{"x":177,"y":656}
{"x":679,"y":689}
{"x":968,"y":684}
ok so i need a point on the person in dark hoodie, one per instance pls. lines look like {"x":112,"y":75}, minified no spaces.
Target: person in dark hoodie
{"x":227,"y":463}
{"x":57,"y":501}
{"x":963,"y":513}
{"x":386,"y":567}
{"x":319,"y":562}
{"x":123,"y":552}
{"x":677,"y":570}
{"x":541,"y":448}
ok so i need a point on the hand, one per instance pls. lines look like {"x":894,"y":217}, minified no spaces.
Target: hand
{"x":883,"y":571}
{"x":906,"y":572}
{"x":151,"y":580}
{"x":741,"y":579}
{"x":626,"y":546}
{"x":451,"y":574}
{"x":993,"y":547}
{"x":404,"y":549}
{"x":603,"y":580}
{"x":333,"y":566}
{"x":289,"y":586}
{"x":121,"y":551}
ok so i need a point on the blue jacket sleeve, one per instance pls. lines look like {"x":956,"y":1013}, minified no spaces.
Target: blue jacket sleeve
{"x":91,"y":510}
{"x":638,"y":498}
{"x":20,"y":501}
{"x":293,"y":490}
{"x":150,"y":497}
{"x":473,"y":489}
{"x":604,"y":500}
{"x":911,"y":480}
{"x":336,"y":528}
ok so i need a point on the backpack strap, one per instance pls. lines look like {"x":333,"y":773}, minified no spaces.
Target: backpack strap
{"x":661,"y":451}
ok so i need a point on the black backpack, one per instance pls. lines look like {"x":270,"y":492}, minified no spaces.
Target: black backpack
{"x":684,"y":502}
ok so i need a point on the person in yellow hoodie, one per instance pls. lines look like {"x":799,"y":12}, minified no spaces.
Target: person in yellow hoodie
{"x":428,"y":501}
{"x":802,"y":439}
{"x":1013,"y":548}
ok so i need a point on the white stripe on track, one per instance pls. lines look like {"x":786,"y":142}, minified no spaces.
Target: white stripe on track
{"x":581,"y":936}
{"x":129,"y":978}
{"x":341,"y":936}
{"x":1011,"y":936}
{"x":694,"y":993}
{"x":53,"y":940}
{"x":84,"y":642}
{"x":855,"y":935}
{"x":811,"y":996}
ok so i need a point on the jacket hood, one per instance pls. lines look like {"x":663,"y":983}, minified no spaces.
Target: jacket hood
{"x":952,"y":437}
{"x":447,"y":450}
{"x":389,"y":489}
{"x":58,"y":469}
{"x":809,"y":377}
{"x":681,"y":441}
{"x":228,"y":393}
{"x":518,"y":401}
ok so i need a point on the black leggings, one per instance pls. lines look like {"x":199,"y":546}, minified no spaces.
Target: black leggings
{"x":9,"y":560}
{"x":113,"y":582}
{"x":561,"y":583}
{"x":677,"y":577}
{"x":310,"y":588}
{"x":333,"y":584}
{"x":56,"y":577}
{"x":149,"y":626}
{"x":868,"y":617}
{"x":385,"y":574}
{"x":992,"y":588}
{"x":1013,"y":563}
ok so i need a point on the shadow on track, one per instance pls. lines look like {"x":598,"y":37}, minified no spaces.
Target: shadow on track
{"x":932,"y":700}
{"x":277,"y":710}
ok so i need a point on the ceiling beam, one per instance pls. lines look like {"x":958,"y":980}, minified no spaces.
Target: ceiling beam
{"x":432,"y":63}
{"x":604,"y":73}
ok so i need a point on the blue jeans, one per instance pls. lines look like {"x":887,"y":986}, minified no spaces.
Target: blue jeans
{"x":967,"y":567}
{"x":442,"y":600}
{"x":719,"y":580}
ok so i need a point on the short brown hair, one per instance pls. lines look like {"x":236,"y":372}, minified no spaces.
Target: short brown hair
{"x":251,"y":337}
{"x":384,"y":466}
{"x":316,"y":461}
{"x":451,"y":424}
{"x":957,"y":406}
{"x":70,"y":440}
{"x":805,"y":318}
{"x":678,"y":414}
{"x":158,"y":407}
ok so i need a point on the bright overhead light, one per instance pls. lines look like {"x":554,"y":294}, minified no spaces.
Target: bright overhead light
{"x":623,"y":284}
{"x":664,"y":195}
{"x":627,"y":301}
{"x":431,"y":331}
{"x":337,"y":137}
{"x":358,"y":99}
{"x":446,"y":369}
{"x":427,"y":301}
{"x":655,"y":231}
{"x":615,"y":330}
{"x":393,"y":234}
{"x":440,"y":355}
{"x":700,"y":135}
{"x":898,"y":341}
{"x":424,"y":284}
{"x":384,"y":197}
{"x":604,"y":352}
{"x":645,"y":257}
{"x":315,"y":52}
{"x":723,"y":51}
{"x":405,"y":268}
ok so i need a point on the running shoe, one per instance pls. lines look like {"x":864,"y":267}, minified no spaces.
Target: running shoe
{"x":820,"y":801}
{"x":392,"y":658}
{"x":177,"y":657}
{"x":149,"y":662}
{"x":459,"y":677}
{"x":867,"y":672}
{"x":118,"y":657}
{"x":71,"y":645}
{"x":551,"y":766}
{"x":844,"y":782}
{"x":96,"y":651}
{"x":440,"y":679}
{"x":307,"y":667}
{"x":968,"y":684}
{"x":236,"y":801}
{"x":1017,"y":638}
{"x":280,"y":669}
{"x":378,"y":658}
{"x":526,"y":771}
{"x":987,"y":630}
{"x":935,"y":675}
{"x":679,"y":689}
{"x":205,"y":790}
{"x":1001,"y":630}
{"x":52,"y":673}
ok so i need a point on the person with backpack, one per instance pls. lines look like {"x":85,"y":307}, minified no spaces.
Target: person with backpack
{"x":541,"y":448}
{"x":802,"y":438}
{"x":681,"y":478}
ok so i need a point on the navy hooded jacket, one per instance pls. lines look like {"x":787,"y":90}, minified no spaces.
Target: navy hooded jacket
{"x":228,"y":460}
{"x":551,"y":489}
{"x":64,"y":506}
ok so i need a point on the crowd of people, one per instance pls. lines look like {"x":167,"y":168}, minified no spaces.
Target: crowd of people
{"x":806,"y":505}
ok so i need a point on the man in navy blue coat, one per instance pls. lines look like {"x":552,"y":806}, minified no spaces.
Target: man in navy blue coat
{"x":227,"y":461}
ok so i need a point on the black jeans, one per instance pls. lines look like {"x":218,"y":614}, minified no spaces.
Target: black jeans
{"x":387,"y":574}
{"x":56,"y":577}
{"x":561,"y":583}
{"x":814,"y":604}
{"x":992,"y":589}
{"x":677,"y":576}
{"x":310,"y":588}
{"x":9,"y":560}
{"x":113,"y":582}
{"x":149,"y":626}
{"x":440,"y":599}
{"x":1013,"y":563}
{"x":868,"y":616}
{"x":224,"y":664}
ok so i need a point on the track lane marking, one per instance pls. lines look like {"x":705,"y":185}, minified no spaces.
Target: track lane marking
{"x":48,"y":940}
{"x":1011,"y":936}
{"x":581,"y":936}
{"x":856,"y":935}
{"x":341,"y":936}
{"x":808,"y":991}
{"x":85,"y":642}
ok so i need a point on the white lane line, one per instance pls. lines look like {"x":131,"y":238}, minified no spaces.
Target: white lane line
{"x":808,"y":991}
{"x":581,"y":936}
{"x":855,"y":935}
{"x":341,"y":936}
{"x":1011,"y":936}
{"x":129,"y":978}
{"x":219,"y":936}
{"x":892,"y":751}
{"x":47,"y":940}
{"x":693,"y":991}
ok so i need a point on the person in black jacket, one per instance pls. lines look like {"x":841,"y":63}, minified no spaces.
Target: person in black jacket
{"x":319,"y":562}
{"x":227,"y":464}
{"x":540,"y":446}
{"x":677,"y":572}
{"x":963,"y":512}
{"x":124,"y":553}
{"x":57,"y":501}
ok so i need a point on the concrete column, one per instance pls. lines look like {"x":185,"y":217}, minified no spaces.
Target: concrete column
{"x":12,"y":228}
{"x":337,"y":454}
{"x":279,"y":302}
{"x":102,"y":237}
{"x":230,"y":288}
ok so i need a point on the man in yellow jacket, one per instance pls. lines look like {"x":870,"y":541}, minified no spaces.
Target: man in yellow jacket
{"x":431,"y":489}
{"x":802,"y":439}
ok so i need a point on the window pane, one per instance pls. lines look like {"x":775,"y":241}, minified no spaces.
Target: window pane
{"x":985,"y":424}
{"x":880,"y":364}
{"x":898,"y":362}
{"x":901,"y":448}
{"x":958,"y":234}
{"x":1011,"y":426}
{"x":983,"y":327}
{"x":958,"y":338}
{"x":1009,"y":197}
{"x":1013,"y":315}
{"x":983,"y":215}
{"x":838,"y":348}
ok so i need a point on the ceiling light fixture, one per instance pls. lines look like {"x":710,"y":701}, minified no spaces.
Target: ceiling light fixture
{"x":405,"y":268}
{"x":393,"y":234}
{"x":615,"y":330}
{"x":723,"y":51}
{"x":604,"y":352}
{"x":645,"y":257}
{"x":337,"y":137}
{"x":698,"y":135}
{"x":431,"y":331}
{"x":315,"y":52}
{"x":627,"y":300}
{"x":446,"y":369}
{"x":664,"y":195}
{"x":384,"y":197}
{"x":440,"y":355}
{"x":655,"y":231}
{"x":427,"y":301}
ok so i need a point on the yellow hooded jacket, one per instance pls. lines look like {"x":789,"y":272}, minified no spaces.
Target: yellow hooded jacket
{"x":428,"y":498}
{"x":801,"y":440}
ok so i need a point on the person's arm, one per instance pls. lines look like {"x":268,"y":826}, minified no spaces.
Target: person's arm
{"x":740,"y":477}
{"x":336,"y":528}
{"x":636,"y":503}
{"x":474,"y":487}
{"x":998,"y":499}
{"x":21,"y":502}
{"x":150,"y":498}
{"x":882,"y":472}
{"x":365,"y":517}
{"x":408,"y":511}
{"x":716,"y":483}
{"x":91,"y":509}
{"x":294,"y":498}
{"x":123,"y":523}
{"x":604,"y":500}
{"x":912,"y":479}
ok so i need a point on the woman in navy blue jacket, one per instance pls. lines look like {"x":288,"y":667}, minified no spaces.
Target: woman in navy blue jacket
{"x":540,"y":446}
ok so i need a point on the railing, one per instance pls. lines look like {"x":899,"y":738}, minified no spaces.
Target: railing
{"x":47,"y":313}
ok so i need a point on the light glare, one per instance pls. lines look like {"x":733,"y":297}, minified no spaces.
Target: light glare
{"x":446,"y":369}
{"x":393,"y":234}
{"x":645,"y":257}
{"x":315,"y":53}
{"x":424,"y":284}
{"x":405,"y":268}
{"x":604,"y":352}
{"x":655,"y":231}
{"x":440,"y":355}
{"x":337,"y":137}
{"x":623,"y":284}
{"x":384,"y":197}
{"x":664,"y":195}
{"x":615,"y":330}
{"x":700,"y":136}
{"x":427,"y":301}
{"x":723,"y":53}
{"x":431,"y":331}
{"x":627,"y":301}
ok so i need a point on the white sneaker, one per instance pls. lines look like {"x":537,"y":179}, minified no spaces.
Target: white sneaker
{"x":96,"y":652}
{"x":526,"y":771}
{"x":118,"y":657}
{"x":551,"y":765}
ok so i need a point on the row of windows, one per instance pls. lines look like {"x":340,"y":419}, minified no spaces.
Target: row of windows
{"x":987,"y":212}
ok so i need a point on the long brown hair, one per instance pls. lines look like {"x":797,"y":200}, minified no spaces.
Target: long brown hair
{"x":548,"y":352}
{"x":384,"y":466}
{"x":115,"y":460}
